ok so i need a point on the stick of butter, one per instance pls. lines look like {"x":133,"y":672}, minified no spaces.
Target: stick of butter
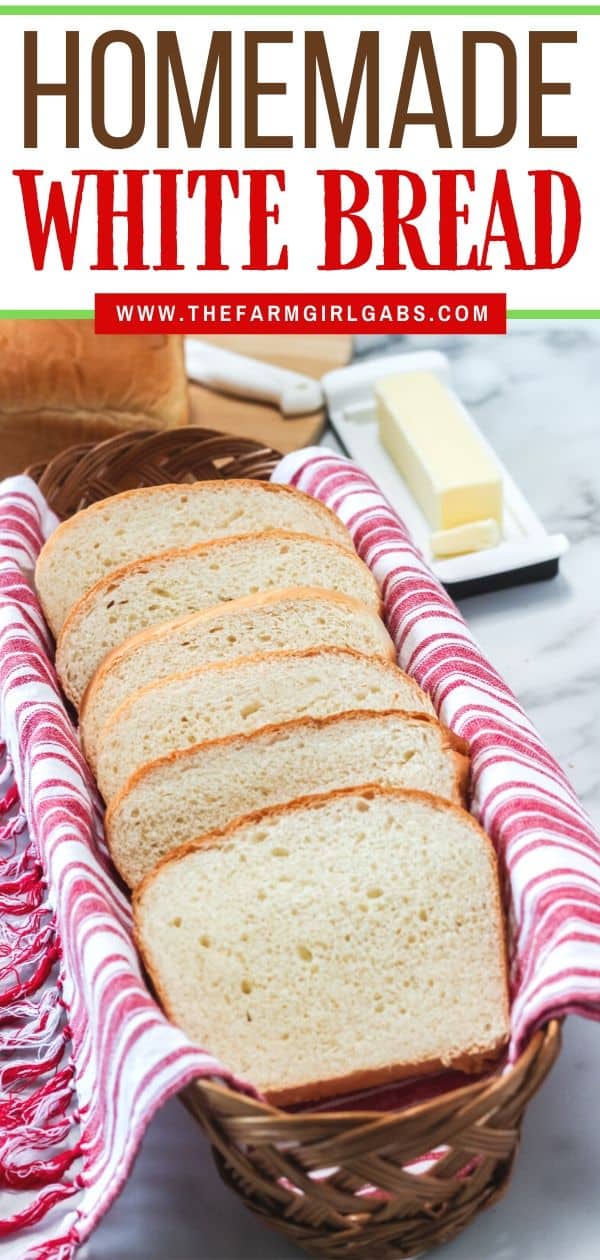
{"x":444,"y":462}
{"x":476,"y":536}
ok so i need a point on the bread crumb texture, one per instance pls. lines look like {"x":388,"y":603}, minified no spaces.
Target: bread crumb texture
{"x":177,"y":798}
{"x":143,"y":522}
{"x":243,"y":695}
{"x":355,"y":934}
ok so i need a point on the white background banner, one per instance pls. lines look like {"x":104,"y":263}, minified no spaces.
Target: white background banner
{"x":301,"y":225}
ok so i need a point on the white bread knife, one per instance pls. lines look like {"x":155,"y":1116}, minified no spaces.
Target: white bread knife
{"x":229,"y":373}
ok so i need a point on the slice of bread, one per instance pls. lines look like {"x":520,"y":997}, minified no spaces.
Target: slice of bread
{"x":171,"y":801}
{"x":243,"y":695}
{"x":333,"y":943}
{"x":163,"y":587}
{"x":276,"y":621}
{"x":139,"y":523}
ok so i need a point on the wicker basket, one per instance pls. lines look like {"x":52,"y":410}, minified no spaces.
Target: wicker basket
{"x":270,"y":1157}
{"x":81,"y":475}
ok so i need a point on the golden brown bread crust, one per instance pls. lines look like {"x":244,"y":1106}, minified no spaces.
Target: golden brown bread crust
{"x":205,"y":548}
{"x":35,"y":437}
{"x":261,"y":599}
{"x":259,"y":658}
{"x":355,"y":1082}
{"x":62,"y":384}
{"x":199,"y":549}
{"x":107,"y":583}
{"x":266,"y":487}
{"x":457,"y":747}
{"x":213,"y":839}
{"x":314,"y":1090}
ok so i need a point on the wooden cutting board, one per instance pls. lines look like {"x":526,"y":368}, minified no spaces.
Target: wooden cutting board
{"x":312,"y":355}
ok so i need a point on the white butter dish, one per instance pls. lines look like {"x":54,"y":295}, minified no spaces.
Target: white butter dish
{"x":525,"y":553}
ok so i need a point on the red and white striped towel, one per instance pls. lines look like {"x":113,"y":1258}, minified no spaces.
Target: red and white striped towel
{"x":549,"y":851}
{"x":86,"y":1056}
{"x":95,"y":1076}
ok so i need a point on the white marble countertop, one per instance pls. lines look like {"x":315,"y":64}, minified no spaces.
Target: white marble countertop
{"x":543,"y":416}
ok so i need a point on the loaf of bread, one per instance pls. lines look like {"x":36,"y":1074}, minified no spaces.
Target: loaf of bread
{"x":333,"y":943}
{"x":171,"y":801}
{"x":139,"y":523}
{"x":60,"y":385}
{"x":243,"y":695}
{"x":275,"y":621}
{"x":173,"y":583}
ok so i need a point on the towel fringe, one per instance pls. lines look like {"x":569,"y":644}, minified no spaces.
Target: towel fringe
{"x":35,"y":1211}
{"x":41,"y":1105}
{"x":58,"y":1249}
{"x":38,"y":1121}
{"x":32,"y":1025}
{"x":9,"y":799}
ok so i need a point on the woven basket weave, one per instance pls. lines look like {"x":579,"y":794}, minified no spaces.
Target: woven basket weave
{"x":267,"y":1156}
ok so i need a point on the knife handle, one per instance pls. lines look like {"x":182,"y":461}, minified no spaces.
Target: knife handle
{"x":229,"y":373}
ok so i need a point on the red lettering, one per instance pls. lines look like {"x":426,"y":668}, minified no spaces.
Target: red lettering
{"x":56,"y":217}
{"x":397,"y":226}
{"x":336,"y":214}
{"x":260,"y":215}
{"x":545,"y":215}
{"x":213,"y":213}
{"x":133,"y":214}
{"x":502,"y":205}
{"x":450,"y":213}
{"x":169,"y":180}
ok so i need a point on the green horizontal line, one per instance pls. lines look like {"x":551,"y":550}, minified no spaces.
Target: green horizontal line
{"x":552,"y":314}
{"x":511,"y":314}
{"x":23,"y":314}
{"x":308,"y":10}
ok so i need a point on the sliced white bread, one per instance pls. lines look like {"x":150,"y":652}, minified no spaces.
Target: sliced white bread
{"x":242,"y":695}
{"x":137,"y":523}
{"x":276,"y":621}
{"x":171,"y":801}
{"x":333,"y":943}
{"x":174,"y":583}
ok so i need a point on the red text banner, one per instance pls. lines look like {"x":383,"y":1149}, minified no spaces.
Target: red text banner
{"x":300,"y":313}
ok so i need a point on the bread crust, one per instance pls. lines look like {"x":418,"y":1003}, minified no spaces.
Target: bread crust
{"x":453,"y":744}
{"x":214,"y":839}
{"x":216,"y":487}
{"x":262,"y":599}
{"x":471,"y":1064}
{"x":258,"y":658}
{"x":315,"y":1090}
{"x":60,"y":364}
{"x":60,"y":385}
{"x":34,"y":437}
{"x":107,"y":583}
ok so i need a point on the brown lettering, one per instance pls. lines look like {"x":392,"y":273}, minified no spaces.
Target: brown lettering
{"x":254,"y":89}
{"x":138,"y":90}
{"x":69,"y":89}
{"x":472,"y":139}
{"x":538,"y":89}
{"x":169,"y":67}
{"x":420,"y":46}
{"x":366,"y":66}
